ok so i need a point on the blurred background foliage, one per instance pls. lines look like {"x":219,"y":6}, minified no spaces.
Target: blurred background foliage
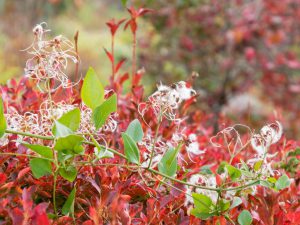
{"x":62,"y":17}
{"x":246,"y":52}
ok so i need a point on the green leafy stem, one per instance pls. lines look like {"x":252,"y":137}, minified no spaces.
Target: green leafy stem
{"x":125,"y":157}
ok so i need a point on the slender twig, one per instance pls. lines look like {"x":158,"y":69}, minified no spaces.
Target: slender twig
{"x":25,"y":155}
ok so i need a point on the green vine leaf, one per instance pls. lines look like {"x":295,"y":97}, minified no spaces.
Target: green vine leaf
{"x":44,"y":151}
{"x":135,"y":130}
{"x":102,"y":153}
{"x":168,"y":163}
{"x":245,"y":218}
{"x":70,"y":119}
{"x":224,"y":205}
{"x":71,"y":144}
{"x":92,"y":91}
{"x":131,"y":150}
{"x":102,"y":112}
{"x":236,"y":202}
{"x":203,"y":206}
{"x":2,"y":119}
{"x":61,"y":130}
{"x":69,"y":173}
{"x":40,"y":167}
{"x":282,"y":182}
{"x":206,"y":170}
{"x":233,"y":172}
{"x":68,"y":207}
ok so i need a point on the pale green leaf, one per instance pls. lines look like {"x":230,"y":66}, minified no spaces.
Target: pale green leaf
{"x":282,"y":182}
{"x":44,"y":151}
{"x":102,"y":112}
{"x":70,"y":119}
{"x":92,"y":91}
{"x":245,"y":218}
{"x":236,"y":202}
{"x":68,"y":207}
{"x":168,"y":163}
{"x":233,"y":172}
{"x":135,"y":131}
{"x":61,"y":130}
{"x":69,"y":173}
{"x":131,"y":150}
{"x":71,"y":144}
{"x":40,"y":167}
{"x":202,"y":202}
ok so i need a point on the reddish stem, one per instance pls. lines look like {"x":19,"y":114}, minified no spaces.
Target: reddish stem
{"x":113,"y":57}
{"x":134,"y":55}
{"x":77,"y":55}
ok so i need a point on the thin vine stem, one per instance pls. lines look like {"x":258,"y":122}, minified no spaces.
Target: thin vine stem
{"x":145,"y":168}
{"x":25,"y":155}
{"x":54,"y":192}
{"x":155,"y":138}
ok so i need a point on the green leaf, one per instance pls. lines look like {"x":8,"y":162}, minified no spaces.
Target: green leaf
{"x":131,"y":150}
{"x":70,"y":144}
{"x":258,"y":165}
{"x":92,"y":91}
{"x":2,"y":119}
{"x":61,"y":130}
{"x":62,"y":157}
{"x":68,"y":207}
{"x":102,"y":112}
{"x":202,"y":215}
{"x":202,"y":202}
{"x":233,"y":172}
{"x":282,"y":182}
{"x":295,"y":152}
{"x":245,"y":218}
{"x":40,"y":149}
{"x":40,"y":167}
{"x":266,"y":183}
{"x":272,"y":180}
{"x":70,"y":119}
{"x":101,"y":153}
{"x":205,"y":170}
{"x":224,"y":205}
{"x":221,"y":167}
{"x":135,"y":131}
{"x":236,"y":202}
{"x":168,"y":163}
{"x":69,"y":173}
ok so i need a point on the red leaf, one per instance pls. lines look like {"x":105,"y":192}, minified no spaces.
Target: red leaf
{"x":17,"y":216}
{"x":3,"y":178}
{"x":120,"y":63}
{"x":40,"y":215}
{"x":23,"y":172}
{"x":113,"y":25}
{"x":109,"y":55}
{"x":124,"y":78}
{"x":143,"y":11}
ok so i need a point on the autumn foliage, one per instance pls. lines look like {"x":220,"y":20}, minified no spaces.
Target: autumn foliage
{"x":80,"y":153}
